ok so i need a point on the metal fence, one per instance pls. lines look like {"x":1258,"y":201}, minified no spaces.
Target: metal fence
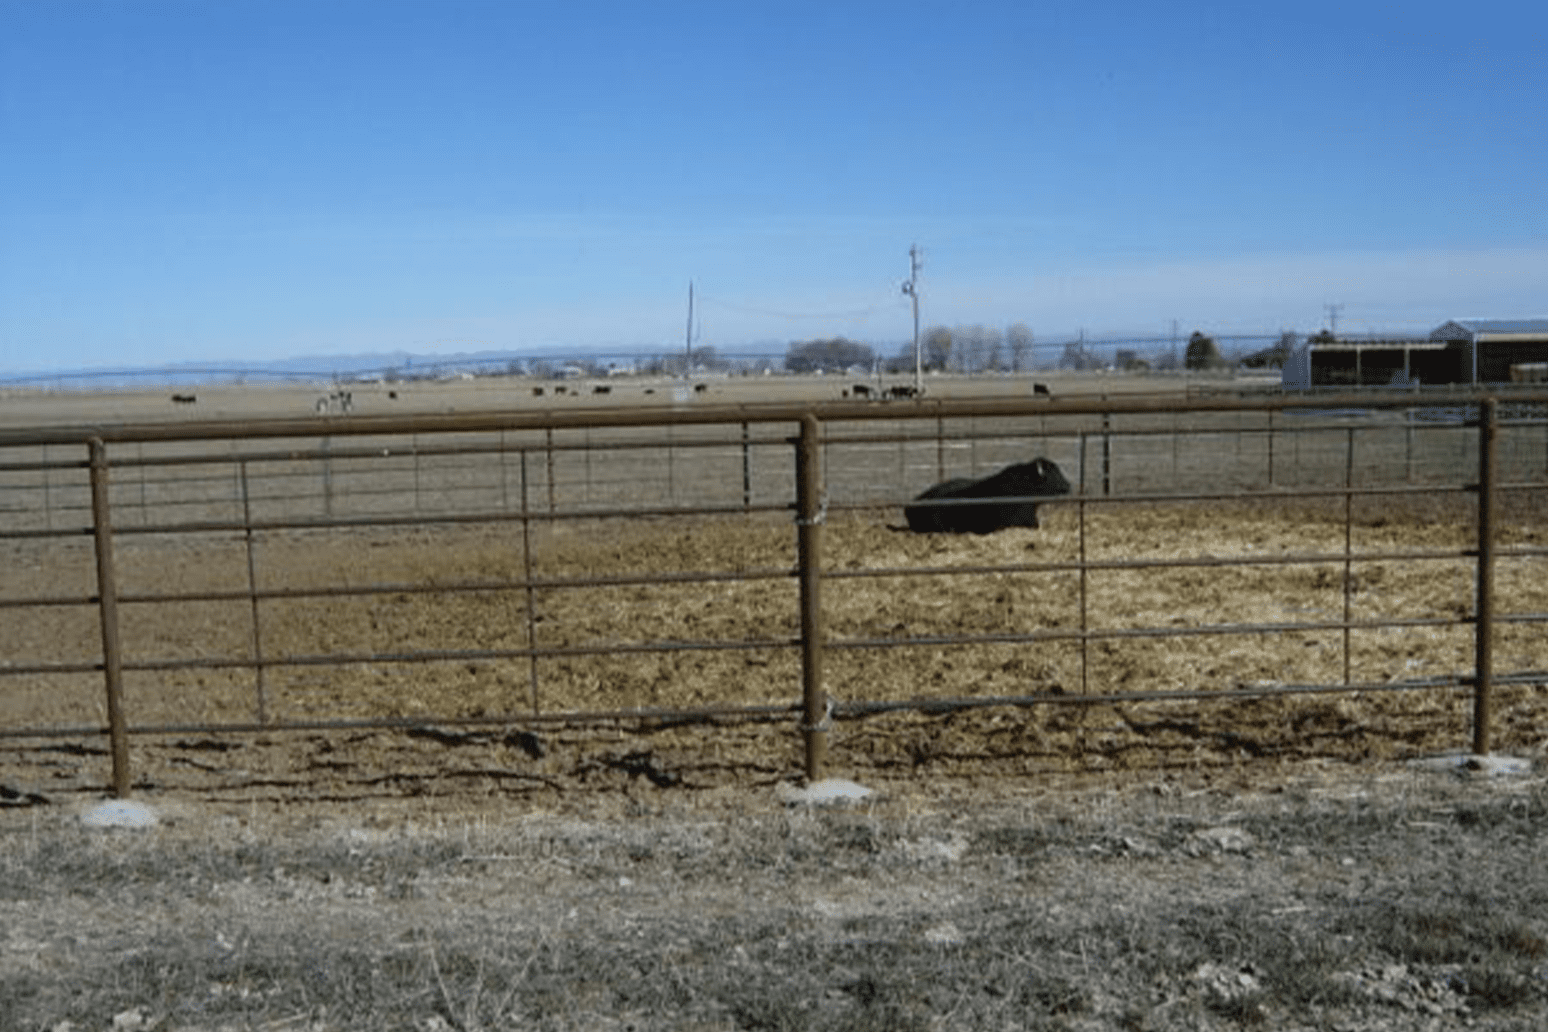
{"x":222,"y":523}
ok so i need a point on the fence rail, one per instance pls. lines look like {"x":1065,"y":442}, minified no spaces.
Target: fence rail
{"x":232,"y":493}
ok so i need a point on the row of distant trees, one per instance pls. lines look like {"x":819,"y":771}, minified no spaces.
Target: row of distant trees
{"x":958,"y":349}
{"x":977,"y":349}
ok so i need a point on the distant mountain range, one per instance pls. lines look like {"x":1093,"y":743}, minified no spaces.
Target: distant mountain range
{"x":408,"y":365}
{"x":368,"y":365}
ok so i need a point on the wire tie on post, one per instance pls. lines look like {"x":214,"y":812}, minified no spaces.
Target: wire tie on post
{"x":824,"y":725}
{"x":821,"y":516}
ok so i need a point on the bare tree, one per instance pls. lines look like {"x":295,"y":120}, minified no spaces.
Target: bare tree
{"x":937,"y":348}
{"x":1019,"y":339}
{"x":970,"y":347}
{"x":994,"y":349}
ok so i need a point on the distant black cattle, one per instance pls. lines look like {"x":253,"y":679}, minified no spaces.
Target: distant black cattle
{"x":1040,"y":478}
{"x":860,"y":390}
{"x":601,"y":388}
{"x":903,"y":391}
{"x":184,"y":399}
{"x":1041,"y":388}
{"x":700,"y":388}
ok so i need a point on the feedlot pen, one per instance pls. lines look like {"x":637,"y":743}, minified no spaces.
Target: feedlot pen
{"x":1357,"y":574}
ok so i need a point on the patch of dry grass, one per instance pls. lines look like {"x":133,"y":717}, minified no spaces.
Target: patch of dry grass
{"x":1366,"y":901}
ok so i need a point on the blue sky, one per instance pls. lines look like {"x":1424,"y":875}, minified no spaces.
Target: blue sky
{"x":228,"y":181}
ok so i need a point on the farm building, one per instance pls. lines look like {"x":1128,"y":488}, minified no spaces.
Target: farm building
{"x":1463,"y":351}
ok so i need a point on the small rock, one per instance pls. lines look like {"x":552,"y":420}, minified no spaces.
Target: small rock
{"x":949,"y":850}
{"x":1227,"y":983}
{"x":1225,"y":839}
{"x":1139,"y":846}
{"x":130,"y":1020}
{"x":943,"y":934}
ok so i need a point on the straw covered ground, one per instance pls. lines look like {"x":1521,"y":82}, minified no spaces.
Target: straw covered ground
{"x":875,"y":594}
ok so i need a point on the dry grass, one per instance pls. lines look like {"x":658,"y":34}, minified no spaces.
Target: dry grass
{"x":1355,"y":899}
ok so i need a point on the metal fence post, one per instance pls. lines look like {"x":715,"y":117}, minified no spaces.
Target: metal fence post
{"x":1107,"y":454}
{"x":1270,"y":447}
{"x":1348,"y":545}
{"x":325,"y":446}
{"x":107,"y":607}
{"x":811,"y":508}
{"x":414,"y":447}
{"x":940,"y":448}
{"x":548,"y":433}
{"x":48,"y":495}
{"x":1483,"y":649}
{"x":261,"y":702}
{"x":746,"y":469}
{"x":526,"y":576}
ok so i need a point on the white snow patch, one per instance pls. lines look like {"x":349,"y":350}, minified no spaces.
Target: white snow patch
{"x":822,"y":793}
{"x":1488,"y":765}
{"x":120,"y":813}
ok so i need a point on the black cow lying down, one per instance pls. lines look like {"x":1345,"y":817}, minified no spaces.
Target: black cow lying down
{"x":1036,"y":479}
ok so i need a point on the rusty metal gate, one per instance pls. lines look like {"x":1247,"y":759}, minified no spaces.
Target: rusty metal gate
{"x":277,"y":484}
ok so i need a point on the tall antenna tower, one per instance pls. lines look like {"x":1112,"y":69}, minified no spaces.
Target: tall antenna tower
{"x":911,"y":288}
{"x":1333,"y":311}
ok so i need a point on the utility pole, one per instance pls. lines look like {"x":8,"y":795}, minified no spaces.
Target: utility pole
{"x":911,"y":288}
{"x":688,"y":337}
{"x":1333,"y":311}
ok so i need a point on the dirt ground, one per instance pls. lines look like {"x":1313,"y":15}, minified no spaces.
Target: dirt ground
{"x":526,"y":756}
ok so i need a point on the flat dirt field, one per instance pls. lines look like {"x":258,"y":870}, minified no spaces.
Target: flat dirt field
{"x":1233,"y":862}
{"x":237,"y":401}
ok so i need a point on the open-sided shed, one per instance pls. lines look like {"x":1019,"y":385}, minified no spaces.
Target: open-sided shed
{"x":1493,"y":347}
{"x":1462,"y":351}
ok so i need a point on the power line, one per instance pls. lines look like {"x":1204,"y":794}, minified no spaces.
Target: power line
{"x":859,"y":313}
{"x":1333,"y":311}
